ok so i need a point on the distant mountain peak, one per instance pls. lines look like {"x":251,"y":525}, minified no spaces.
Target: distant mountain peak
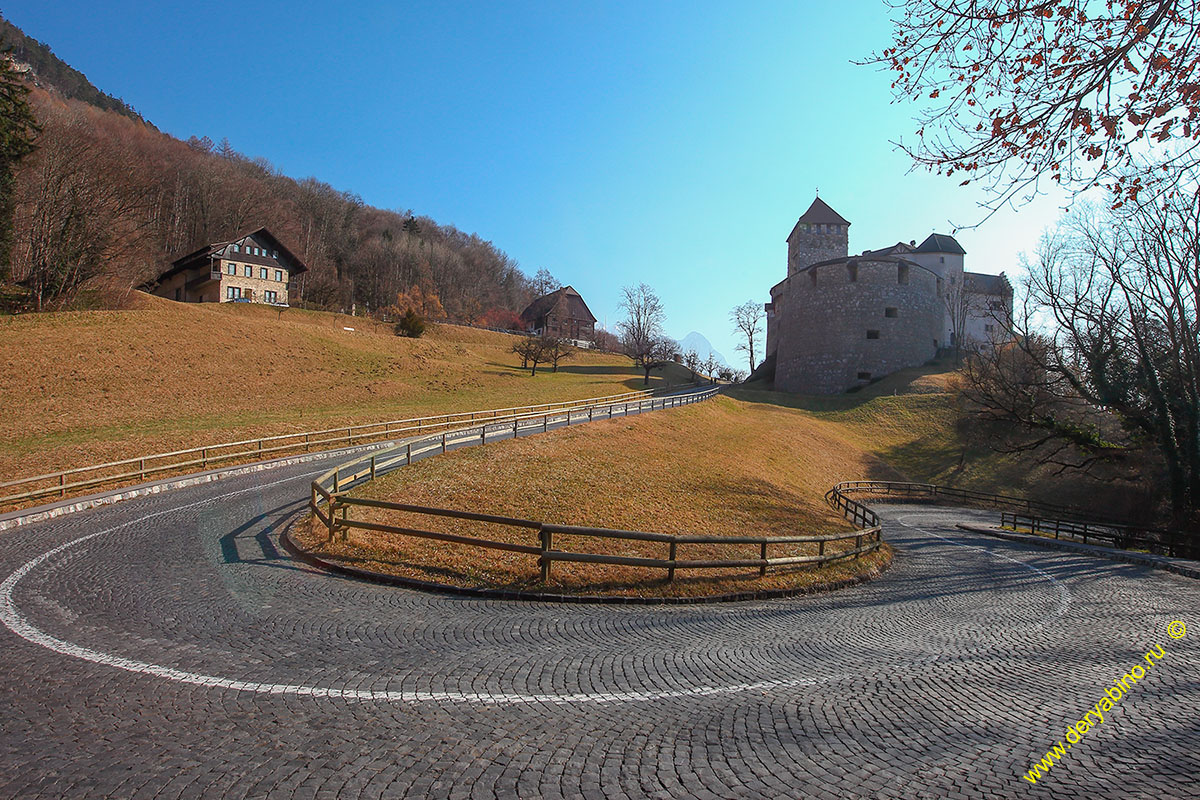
{"x":698,"y":342}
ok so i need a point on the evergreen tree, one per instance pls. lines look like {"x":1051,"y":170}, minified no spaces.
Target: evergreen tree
{"x":18,"y":129}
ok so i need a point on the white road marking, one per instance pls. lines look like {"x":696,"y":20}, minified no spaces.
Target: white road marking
{"x":1064,"y":595}
{"x":16,"y":622}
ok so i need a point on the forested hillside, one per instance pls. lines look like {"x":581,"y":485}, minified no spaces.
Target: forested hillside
{"x":106,"y":195}
{"x":51,"y":71}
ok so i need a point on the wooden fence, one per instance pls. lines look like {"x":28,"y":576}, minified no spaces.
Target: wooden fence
{"x":329,"y":490}
{"x":142,"y":467}
{"x":1038,"y":518}
{"x":1125,"y":537}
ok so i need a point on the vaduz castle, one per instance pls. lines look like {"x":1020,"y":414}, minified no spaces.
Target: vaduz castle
{"x":837,"y":321}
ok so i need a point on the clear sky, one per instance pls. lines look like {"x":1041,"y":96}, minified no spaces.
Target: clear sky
{"x":612,"y":143}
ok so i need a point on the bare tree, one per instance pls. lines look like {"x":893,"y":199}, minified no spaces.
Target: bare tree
{"x":1070,"y":90}
{"x":544,"y":283}
{"x":1106,"y":353}
{"x":691,"y":360}
{"x":747,"y":321}
{"x":710,"y":367}
{"x":555,"y":349}
{"x":532,"y":351}
{"x":642,"y":336}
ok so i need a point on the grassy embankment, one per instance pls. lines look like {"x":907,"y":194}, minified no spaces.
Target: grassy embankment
{"x":725,"y":467}
{"x":87,"y":387}
{"x":753,"y":461}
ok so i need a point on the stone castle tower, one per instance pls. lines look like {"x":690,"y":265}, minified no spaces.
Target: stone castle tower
{"x":820,"y":234}
{"x":838,"y":322}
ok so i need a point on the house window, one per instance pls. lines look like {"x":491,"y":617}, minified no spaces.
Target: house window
{"x":872,"y":334}
{"x":902,"y":273}
{"x":269,"y":297}
{"x":233,"y":292}
{"x":237,"y":248}
{"x":274,"y":254}
{"x":279,"y":275}
{"x":891,"y":313}
{"x":262,"y":273}
{"x":248,"y":270}
{"x":231,"y":268}
{"x":864,"y":376}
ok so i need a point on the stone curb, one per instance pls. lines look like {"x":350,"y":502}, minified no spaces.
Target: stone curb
{"x":1178,"y":566}
{"x":545,"y":597}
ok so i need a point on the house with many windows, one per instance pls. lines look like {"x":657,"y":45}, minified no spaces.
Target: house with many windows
{"x":253,"y":268}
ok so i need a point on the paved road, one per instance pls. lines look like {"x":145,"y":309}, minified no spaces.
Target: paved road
{"x":167,"y":649}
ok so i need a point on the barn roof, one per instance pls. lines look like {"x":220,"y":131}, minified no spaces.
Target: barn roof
{"x":540,"y":307}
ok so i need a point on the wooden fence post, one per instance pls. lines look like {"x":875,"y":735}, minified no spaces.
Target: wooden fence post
{"x":671,"y":569}
{"x":62,"y":484}
{"x":372,"y":466}
{"x":821,"y":553}
{"x":443,"y":443}
{"x":762,"y":570}
{"x":547,"y":540}
{"x":408,"y":454}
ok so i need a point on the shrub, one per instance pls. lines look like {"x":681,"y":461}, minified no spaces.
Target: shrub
{"x":411,"y":324}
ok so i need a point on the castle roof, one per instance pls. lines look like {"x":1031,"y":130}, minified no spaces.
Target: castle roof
{"x":541,"y":306}
{"x":820,"y":213}
{"x":982,"y":283}
{"x":941,"y":243}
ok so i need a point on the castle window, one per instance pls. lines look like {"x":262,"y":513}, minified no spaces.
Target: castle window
{"x":891,"y":313}
{"x":872,"y":334}
{"x":902,"y":273}
{"x":852,"y":270}
{"x":941,"y":259}
{"x":812,"y":274}
{"x":864,"y":376}
{"x":989,"y":328}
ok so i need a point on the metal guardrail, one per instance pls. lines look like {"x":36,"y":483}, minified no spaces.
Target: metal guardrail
{"x":141,"y":467}
{"x":329,"y":489}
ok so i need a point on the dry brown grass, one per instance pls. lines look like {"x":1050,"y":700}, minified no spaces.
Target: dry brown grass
{"x":723,"y":467}
{"x":87,"y":387}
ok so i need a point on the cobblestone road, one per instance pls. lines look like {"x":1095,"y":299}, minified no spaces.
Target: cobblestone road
{"x":175,"y":652}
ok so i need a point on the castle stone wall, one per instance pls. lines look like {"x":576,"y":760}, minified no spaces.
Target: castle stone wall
{"x":822,"y":325}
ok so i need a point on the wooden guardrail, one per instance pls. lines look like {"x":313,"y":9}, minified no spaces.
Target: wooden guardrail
{"x":142,"y":467}
{"x":1038,"y":518}
{"x":329,"y":489}
{"x":1125,"y":537}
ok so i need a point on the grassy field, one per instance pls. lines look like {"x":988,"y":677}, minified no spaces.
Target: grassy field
{"x":724,"y":467}
{"x":92,"y":386}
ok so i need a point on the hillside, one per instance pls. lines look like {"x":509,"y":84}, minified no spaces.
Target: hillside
{"x":49,"y":71}
{"x":108,"y":199}
{"x":85,"y":387}
{"x":723,"y":467}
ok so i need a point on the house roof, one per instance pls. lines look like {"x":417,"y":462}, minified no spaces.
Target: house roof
{"x":982,"y":283}
{"x":187,"y":261}
{"x":940,"y":243}
{"x":541,"y":306}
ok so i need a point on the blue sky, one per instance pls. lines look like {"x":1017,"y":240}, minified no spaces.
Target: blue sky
{"x":612,"y":143}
